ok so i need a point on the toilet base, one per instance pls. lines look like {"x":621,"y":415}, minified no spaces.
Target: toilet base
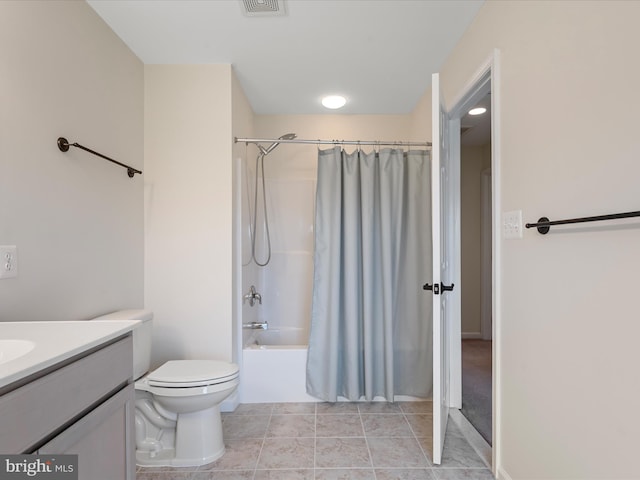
{"x":167,"y":458}
{"x":198,"y":441}
{"x":180,"y":426}
{"x":162,"y":458}
{"x":199,"y":437}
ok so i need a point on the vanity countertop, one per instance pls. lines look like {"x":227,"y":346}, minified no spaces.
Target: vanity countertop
{"x":54,"y":342}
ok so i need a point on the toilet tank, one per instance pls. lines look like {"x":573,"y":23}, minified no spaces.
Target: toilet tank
{"x":141,"y":337}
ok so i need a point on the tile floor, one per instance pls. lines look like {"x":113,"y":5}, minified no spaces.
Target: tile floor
{"x":324,"y":441}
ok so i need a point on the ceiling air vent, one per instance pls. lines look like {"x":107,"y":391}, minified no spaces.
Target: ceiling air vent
{"x":263,"y":8}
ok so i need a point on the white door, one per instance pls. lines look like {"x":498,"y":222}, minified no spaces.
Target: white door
{"x":441,"y":228}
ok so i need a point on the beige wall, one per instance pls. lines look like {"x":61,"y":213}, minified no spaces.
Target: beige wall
{"x":75,"y":219}
{"x":421,"y":118}
{"x":188,"y":210}
{"x":341,"y":127}
{"x":569,"y":94}
{"x":470,"y":218}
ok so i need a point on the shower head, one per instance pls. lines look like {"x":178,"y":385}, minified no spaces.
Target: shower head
{"x":286,"y":136}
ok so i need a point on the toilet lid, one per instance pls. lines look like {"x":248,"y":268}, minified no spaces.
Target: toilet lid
{"x":192,"y":373}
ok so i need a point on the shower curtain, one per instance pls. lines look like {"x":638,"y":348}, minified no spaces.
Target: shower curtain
{"x":371,"y":321}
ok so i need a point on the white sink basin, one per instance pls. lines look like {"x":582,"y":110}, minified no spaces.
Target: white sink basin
{"x":27,"y":348}
{"x":12,"y":349}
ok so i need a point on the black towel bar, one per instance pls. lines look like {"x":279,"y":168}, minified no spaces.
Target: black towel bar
{"x":544,"y":224}
{"x":63,"y":145}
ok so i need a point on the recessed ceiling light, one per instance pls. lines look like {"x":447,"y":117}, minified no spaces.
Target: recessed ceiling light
{"x":334,"y":101}
{"x":477,"y":111}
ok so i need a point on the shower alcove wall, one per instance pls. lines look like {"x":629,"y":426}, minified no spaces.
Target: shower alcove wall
{"x":274,"y":360}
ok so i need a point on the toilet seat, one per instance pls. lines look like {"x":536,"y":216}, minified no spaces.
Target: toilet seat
{"x":192,"y":373}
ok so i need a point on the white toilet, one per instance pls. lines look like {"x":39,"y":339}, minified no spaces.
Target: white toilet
{"x":177,"y":419}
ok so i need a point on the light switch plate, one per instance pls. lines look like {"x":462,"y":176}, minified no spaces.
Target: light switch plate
{"x":8,"y":261}
{"x":512,"y":224}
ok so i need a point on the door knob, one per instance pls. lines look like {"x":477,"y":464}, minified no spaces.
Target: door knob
{"x":437,"y":287}
{"x":447,"y":288}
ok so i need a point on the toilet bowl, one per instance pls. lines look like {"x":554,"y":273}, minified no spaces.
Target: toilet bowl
{"x":177,"y":406}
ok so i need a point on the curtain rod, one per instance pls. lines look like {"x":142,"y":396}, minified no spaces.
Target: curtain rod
{"x":332,"y":142}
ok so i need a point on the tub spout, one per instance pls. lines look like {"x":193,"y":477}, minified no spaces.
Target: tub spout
{"x":256,"y":325}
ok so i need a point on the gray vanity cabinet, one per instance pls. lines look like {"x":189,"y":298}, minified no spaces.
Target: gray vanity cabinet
{"x":83,"y":406}
{"x":98,"y":439}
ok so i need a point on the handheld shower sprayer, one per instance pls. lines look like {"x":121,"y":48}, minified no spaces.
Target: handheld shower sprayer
{"x":253,"y":229}
{"x":270,"y":148}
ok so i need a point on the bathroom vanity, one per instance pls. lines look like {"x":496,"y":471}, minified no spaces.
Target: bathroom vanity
{"x":70,"y":392}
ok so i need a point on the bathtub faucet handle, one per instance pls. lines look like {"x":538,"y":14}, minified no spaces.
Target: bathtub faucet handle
{"x":252,"y":296}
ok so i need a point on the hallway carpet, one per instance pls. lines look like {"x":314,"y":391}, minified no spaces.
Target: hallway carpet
{"x":476,"y":385}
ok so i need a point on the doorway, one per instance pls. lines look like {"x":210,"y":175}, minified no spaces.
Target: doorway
{"x":485,"y":81}
{"x":476,"y":277}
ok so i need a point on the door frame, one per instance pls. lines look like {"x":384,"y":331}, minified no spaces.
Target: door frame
{"x":486,"y":78}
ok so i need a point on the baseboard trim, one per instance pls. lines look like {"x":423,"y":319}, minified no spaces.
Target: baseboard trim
{"x":502,"y":475}
{"x":472,"y":335}
{"x":479,"y":444}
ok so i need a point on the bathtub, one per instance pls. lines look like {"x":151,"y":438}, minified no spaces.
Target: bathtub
{"x":274,"y":366}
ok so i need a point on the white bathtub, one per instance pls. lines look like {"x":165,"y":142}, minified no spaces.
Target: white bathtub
{"x":274,"y":366}
{"x":285,"y":336}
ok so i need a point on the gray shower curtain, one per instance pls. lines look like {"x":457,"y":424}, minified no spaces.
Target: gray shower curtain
{"x":371,"y":321}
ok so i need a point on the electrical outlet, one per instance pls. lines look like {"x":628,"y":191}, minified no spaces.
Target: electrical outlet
{"x":512,"y":224}
{"x":8,"y":261}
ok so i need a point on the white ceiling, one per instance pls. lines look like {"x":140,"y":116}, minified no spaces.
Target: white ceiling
{"x":475,"y":130}
{"x":380,"y":54}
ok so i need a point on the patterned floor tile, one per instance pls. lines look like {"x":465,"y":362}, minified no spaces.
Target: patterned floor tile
{"x":379,"y":407}
{"x":288,"y":474}
{"x":396,"y":453}
{"x":386,"y":425}
{"x":342,"y":453}
{"x":345,"y":474}
{"x":294,"y":408}
{"x":335,"y":408}
{"x":462,"y":474}
{"x":345,"y":425}
{"x":333,"y":441}
{"x":224,"y":475}
{"x":287,"y":453}
{"x":417,"y":407}
{"x":421,"y":424}
{"x":245,"y":426}
{"x":292,"y":426}
{"x":253,"y":409}
{"x":404,"y":474}
{"x":240,"y":454}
